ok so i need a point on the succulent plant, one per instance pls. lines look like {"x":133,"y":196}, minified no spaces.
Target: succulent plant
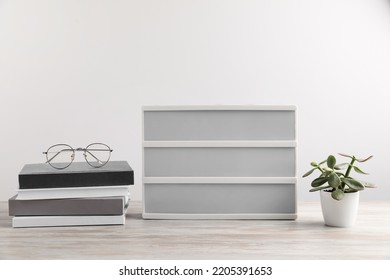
{"x":334,"y":180}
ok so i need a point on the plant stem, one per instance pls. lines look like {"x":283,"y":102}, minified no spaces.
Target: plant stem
{"x":320,"y":169}
{"x":348,"y":171}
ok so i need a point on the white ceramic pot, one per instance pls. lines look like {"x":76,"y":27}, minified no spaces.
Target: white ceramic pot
{"x":339,"y":213}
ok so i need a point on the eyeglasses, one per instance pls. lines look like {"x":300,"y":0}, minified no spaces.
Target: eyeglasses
{"x":60,"y":156}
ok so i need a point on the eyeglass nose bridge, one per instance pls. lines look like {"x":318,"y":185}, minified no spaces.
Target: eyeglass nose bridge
{"x":82,"y":150}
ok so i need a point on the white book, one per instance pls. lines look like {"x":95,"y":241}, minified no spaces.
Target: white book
{"x":56,"y":221}
{"x":79,"y":192}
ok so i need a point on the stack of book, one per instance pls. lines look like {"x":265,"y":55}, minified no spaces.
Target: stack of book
{"x":75,"y":196}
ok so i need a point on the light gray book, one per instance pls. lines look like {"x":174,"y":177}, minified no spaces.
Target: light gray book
{"x":68,"y":207}
{"x":60,"y":221}
{"x":80,"y":192}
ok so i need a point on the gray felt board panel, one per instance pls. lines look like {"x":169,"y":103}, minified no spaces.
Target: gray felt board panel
{"x":220,"y":198}
{"x":246,"y":125}
{"x":219,"y":162}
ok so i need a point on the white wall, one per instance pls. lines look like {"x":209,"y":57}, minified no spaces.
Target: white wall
{"x":79,"y":71}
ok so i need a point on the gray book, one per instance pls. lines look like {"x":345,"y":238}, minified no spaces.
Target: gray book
{"x":68,"y":207}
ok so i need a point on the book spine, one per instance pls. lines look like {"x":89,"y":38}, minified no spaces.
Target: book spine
{"x":85,"y":192}
{"x":67,"y":207}
{"x":53,"y":221}
{"x":70,"y":180}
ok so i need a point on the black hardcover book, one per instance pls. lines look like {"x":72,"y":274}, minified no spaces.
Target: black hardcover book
{"x":78,"y":174}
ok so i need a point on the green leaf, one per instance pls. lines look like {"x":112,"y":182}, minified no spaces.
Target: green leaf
{"x":358,"y":170}
{"x":334,"y":180}
{"x":341,"y":166}
{"x":338,"y":194}
{"x":325,"y":174}
{"x":365,"y":159}
{"x":331,"y":161}
{"x":353,"y":184}
{"x":319,"y":182}
{"x":350,"y":191}
{"x":344,"y":155}
{"x":319,"y":188}
{"x":368,"y":185}
{"x":309,"y":172}
{"x":314,"y":164}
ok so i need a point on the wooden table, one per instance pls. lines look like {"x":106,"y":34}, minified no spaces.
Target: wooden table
{"x":304,"y":238}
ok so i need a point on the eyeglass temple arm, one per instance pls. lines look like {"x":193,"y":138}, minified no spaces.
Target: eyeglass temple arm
{"x":49,"y":160}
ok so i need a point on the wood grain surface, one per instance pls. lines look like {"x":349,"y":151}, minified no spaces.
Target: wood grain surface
{"x":306,"y":238}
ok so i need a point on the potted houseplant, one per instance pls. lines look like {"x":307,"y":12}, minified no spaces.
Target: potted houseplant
{"x":339,"y":191}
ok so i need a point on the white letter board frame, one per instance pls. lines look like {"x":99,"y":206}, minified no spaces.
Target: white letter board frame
{"x":187,"y":168}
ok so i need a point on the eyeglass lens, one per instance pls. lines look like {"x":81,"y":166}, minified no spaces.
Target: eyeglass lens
{"x":97,"y":154}
{"x":60,"y":156}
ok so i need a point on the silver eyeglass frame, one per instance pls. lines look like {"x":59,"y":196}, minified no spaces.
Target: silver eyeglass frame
{"x":85,"y":150}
